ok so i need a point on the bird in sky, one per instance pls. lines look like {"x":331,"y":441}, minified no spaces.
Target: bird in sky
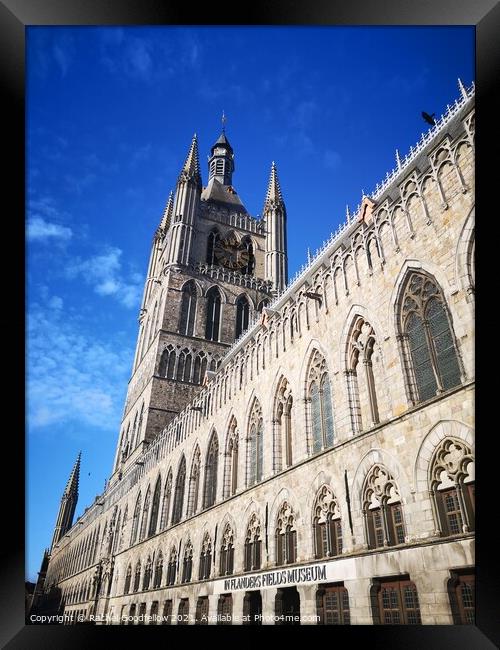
{"x":429,"y":118}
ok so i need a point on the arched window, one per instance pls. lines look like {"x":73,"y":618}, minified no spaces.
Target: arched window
{"x":242,"y":315}
{"x":187,"y":565}
{"x":247,"y":244}
{"x":283,"y":426}
{"x":145,"y":514}
{"x":214,"y":304}
{"x":430,"y":353}
{"x":165,"y":507}
{"x":167,"y":363}
{"x":360,"y":378}
{"x":205,"y":558}
{"x":146,"y":580}
{"x":134,"y":433}
{"x":213,"y":238}
{"x":255,"y":445}
{"x":382,"y":509}
{"x":320,"y":400}
{"x":194,"y":483}
{"x":172,"y":567}
{"x":253,"y":545}
{"x":200,"y":367}
{"x":327,"y":525}
{"x":116,"y":535}
{"x":158,"y":571}
{"x":179,"y":492}
{"x":122,"y":531}
{"x":210,"y":491}
{"x":262,"y":304}
{"x":395,"y":602}
{"x":452,"y":487}
{"x":226,"y":558}
{"x":285,"y":536}
{"x":231,"y":461}
{"x":188,"y":309}
{"x":155,"y":508}
{"x":332,"y":604}
{"x":135,"y":521}
{"x":137,"y":576}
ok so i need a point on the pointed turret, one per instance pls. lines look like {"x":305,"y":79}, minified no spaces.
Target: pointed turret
{"x":273,"y":196}
{"x":191,"y":169}
{"x":166,"y":220}
{"x":274,"y":214}
{"x":69,"y":500}
{"x":74,"y":478}
{"x":185,"y":209}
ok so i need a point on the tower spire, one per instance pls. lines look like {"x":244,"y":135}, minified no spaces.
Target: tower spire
{"x":166,"y":220}
{"x":74,"y":478}
{"x":191,"y":168}
{"x":274,"y":213}
{"x":69,"y":500}
{"x":273,"y":195}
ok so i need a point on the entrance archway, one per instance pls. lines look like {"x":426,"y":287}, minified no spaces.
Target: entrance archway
{"x":287,"y":605}
{"x":252,"y":608}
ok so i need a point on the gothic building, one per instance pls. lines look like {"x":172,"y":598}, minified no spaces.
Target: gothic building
{"x":298,"y":448}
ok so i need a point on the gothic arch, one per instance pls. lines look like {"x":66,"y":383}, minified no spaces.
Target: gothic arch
{"x":282,"y":423}
{"x":373,"y":457}
{"x":464,"y":276}
{"x":314,"y":344}
{"x":423,"y":319}
{"x":232,"y":445}
{"x":428,"y":268}
{"x":361,"y":348}
{"x":440,"y":431}
{"x":210,"y":487}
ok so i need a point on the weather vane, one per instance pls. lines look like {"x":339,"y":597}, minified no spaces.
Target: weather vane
{"x":224,"y":118}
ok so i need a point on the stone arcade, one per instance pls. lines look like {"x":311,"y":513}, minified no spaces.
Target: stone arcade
{"x":293,"y":449}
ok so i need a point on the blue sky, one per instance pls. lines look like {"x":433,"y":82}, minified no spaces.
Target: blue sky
{"x":110,"y":116}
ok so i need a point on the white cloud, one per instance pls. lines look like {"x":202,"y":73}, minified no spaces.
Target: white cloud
{"x":72,"y":379}
{"x":104,"y":273}
{"x":41,"y":230}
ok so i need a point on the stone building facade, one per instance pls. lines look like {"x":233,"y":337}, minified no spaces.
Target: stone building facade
{"x":321,"y":465}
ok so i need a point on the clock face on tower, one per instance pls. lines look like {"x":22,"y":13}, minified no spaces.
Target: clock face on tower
{"x":231,"y":254}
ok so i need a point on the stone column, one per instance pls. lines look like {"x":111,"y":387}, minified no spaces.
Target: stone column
{"x":359,"y":601}
{"x":308,"y":612}
{"x":213,"y":601}
{"x":238,"y":598}
{"x":268,"y":604}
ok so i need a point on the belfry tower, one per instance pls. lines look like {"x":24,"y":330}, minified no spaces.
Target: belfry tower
{"x":212,"y":269}
{"x":69,"y":500}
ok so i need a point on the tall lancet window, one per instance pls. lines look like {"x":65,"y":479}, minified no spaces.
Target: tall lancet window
{"x":242,"y":315}
{"x":282,"y":426}
{"x":247,"y":243}
{"x":431,"y":358}
{"x":179,"y":492}
{"x":320,"y":400}
{"x":155,"y":508}
{"x":213,"y":238}
{"x":210,"y":491}
{"x":360,"y":376}
{"x":231,"y":461}
{"x":255,"y":447}
{"x":188,"y":309}
{"x":194,"y":483}
{"x":214,"y":304}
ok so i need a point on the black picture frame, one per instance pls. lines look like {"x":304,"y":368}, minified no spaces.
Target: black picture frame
{"x":15,"y":15}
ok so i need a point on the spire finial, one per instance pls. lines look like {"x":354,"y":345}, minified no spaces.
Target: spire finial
{"x":223,"y":120}
{"x":273,"y":189}
{"x":398,"y":159}
{"x":308,"y":255}
{"x":348,"y":213}
{"x":462,"y":88}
